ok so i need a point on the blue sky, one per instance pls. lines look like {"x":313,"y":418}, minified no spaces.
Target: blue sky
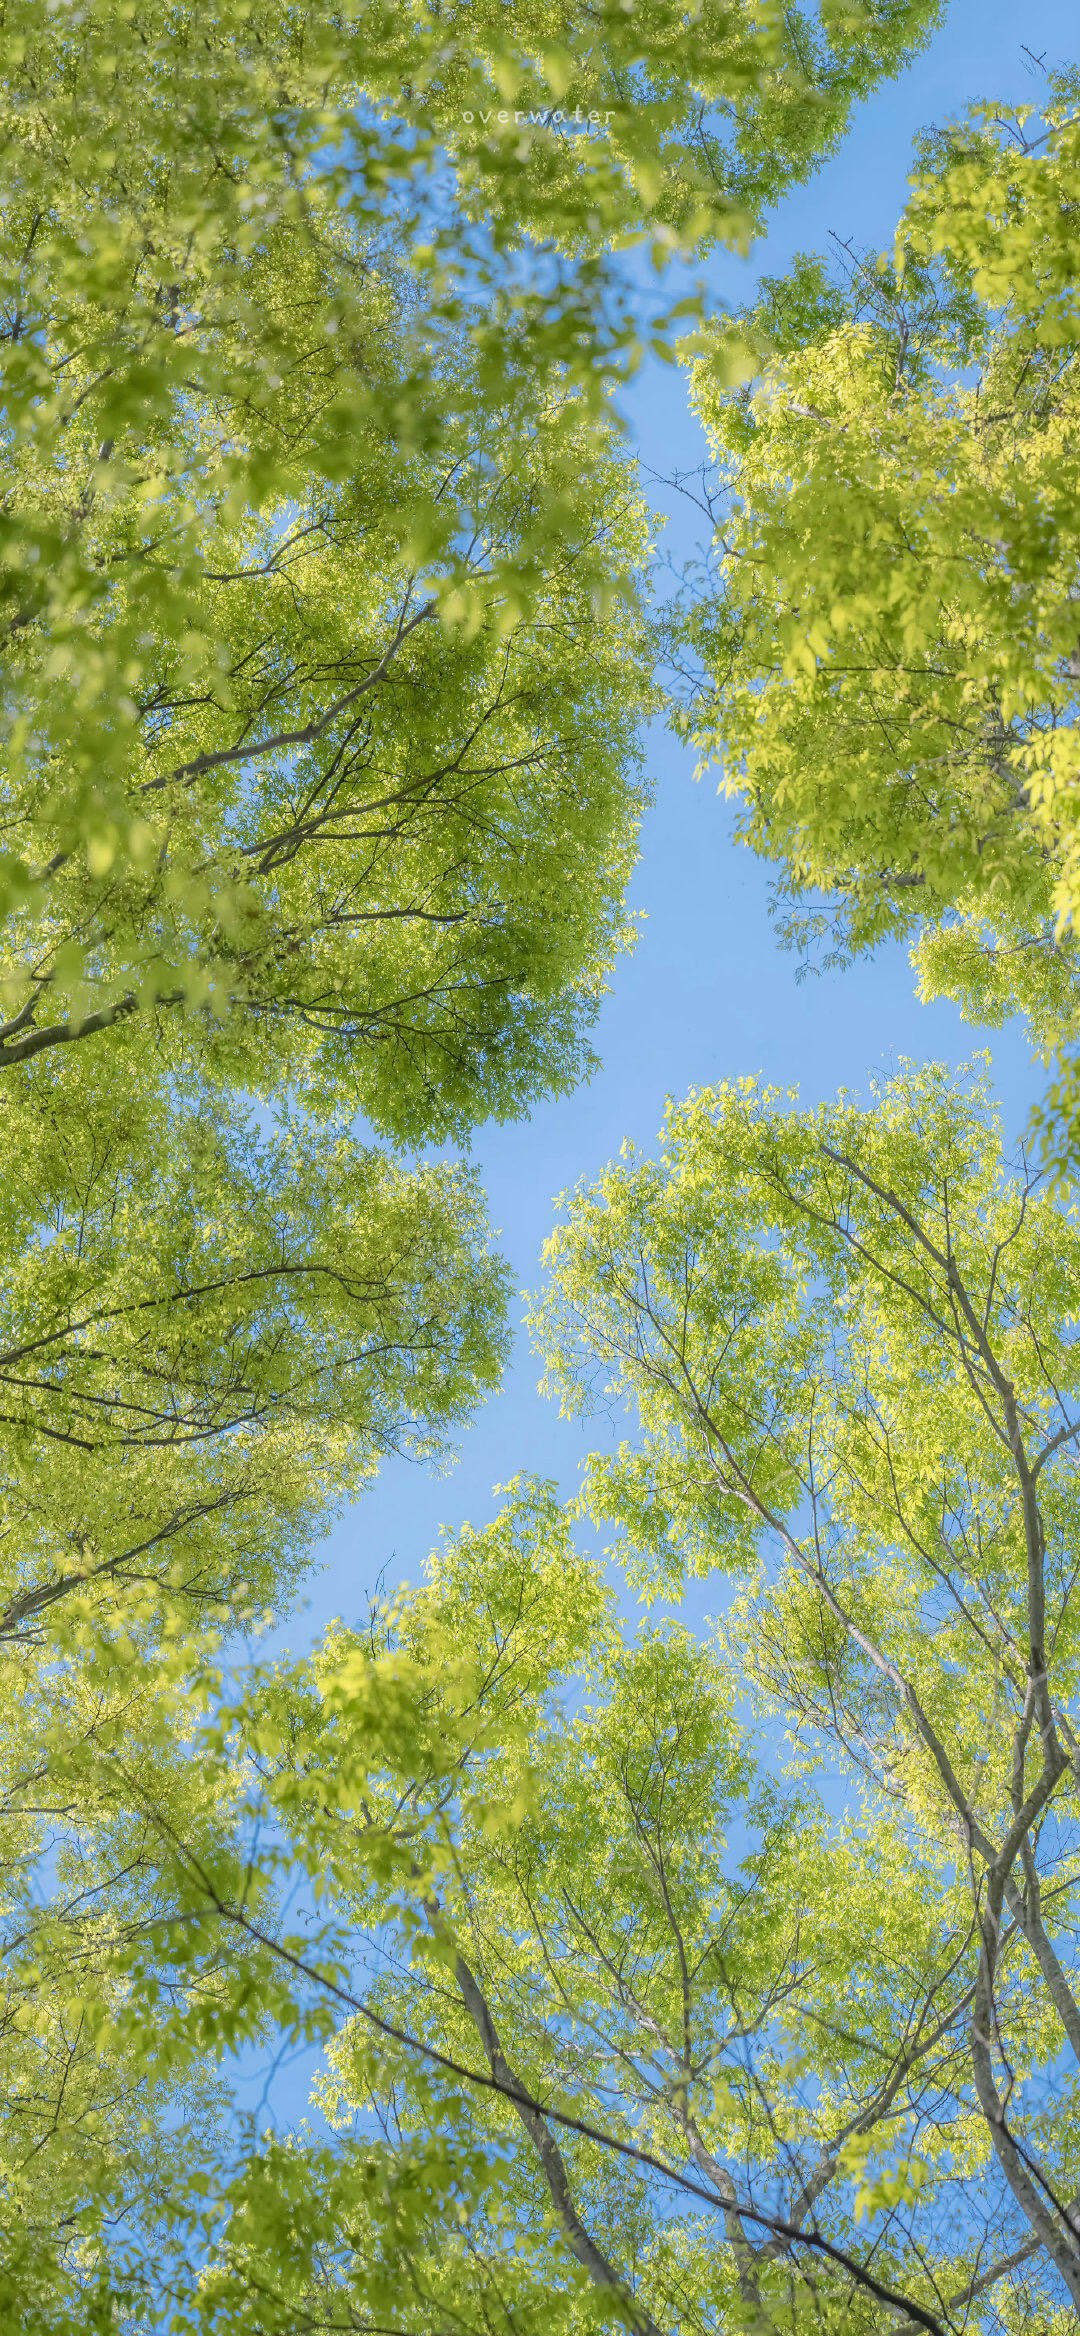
{"x":708,"y":994}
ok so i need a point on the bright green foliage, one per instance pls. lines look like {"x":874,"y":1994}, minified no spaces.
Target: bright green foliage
{"x":848,"y":1339}
{"x":321,"y":696}
{"x":891,"y":650}
{"x":324,"y":667}
{"x":381,"y":850}
{"x":322,"y":679}
{"x":211,"y":1336}
{"x":356,"y":1764}
{"x":208,"y":1339}
{"x":310,"y":528}
{"x":99,"y":2128}
{"x":619,"y":2026}
{"x":689,"y":123}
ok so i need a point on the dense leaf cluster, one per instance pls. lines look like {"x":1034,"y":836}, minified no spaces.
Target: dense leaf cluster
{"x":889,"y":653}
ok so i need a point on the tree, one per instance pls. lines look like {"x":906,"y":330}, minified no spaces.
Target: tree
{"x":889,"y":648}
{"x":847,"y":1337}
{"x":323,"y":668}
{"x":288,"y":837}
{"x":212,"y":1336}
{"x":388,"y":855}
{"x":217,"y":1341}
{"x":630,"y":2012}
{"x":303,"y":479}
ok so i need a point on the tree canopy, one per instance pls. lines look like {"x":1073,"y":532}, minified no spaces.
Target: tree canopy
{"x":889,"y":649}
{"x":708,"y":1983}
{"x":252,"y":315}
{"x":677,"y":1980}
